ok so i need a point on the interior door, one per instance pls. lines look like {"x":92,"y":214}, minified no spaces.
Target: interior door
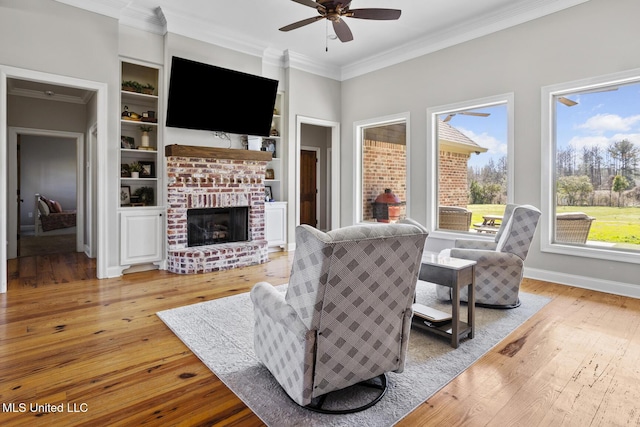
{"x":308,"y":188}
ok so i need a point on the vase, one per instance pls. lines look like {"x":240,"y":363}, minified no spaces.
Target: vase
{"x":145,"y":139}
{"x":135,"y":174}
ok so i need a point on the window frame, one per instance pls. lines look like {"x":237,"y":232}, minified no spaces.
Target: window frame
{"x":358,"y":132}
{"x":549,"y":95}
{"x":433,"y":157}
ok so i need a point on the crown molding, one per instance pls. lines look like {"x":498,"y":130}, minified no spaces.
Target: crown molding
{"x":162,"y":20}
{"x":460,"y":33}
{"x":38,"y":94}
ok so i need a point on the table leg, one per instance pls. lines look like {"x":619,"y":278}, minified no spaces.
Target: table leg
{"x":471,"y":304}
{"x":455,"y":316}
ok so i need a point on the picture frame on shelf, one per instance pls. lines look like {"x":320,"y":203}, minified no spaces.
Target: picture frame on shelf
{"x":270,"y":145}
{"x":125,"y":195}
{"x":268,"y":193}
{"x":127,"y":142}
{"x":125,"y":171}
{"x":148,"y":169}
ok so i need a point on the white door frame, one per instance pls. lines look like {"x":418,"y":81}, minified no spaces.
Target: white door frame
{"x":294,"y":194}
{"x":7,"y":72}
{"x":12,"y":172}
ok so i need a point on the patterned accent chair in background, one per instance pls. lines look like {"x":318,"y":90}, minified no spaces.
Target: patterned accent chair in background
{"x":500,"y":262}
{"x":346,"y":315}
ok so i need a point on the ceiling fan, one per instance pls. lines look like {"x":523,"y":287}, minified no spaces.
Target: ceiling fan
{"x":467,"y":113}
{"x":335,"y":10}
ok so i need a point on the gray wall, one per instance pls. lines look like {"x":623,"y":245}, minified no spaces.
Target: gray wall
{"x":48,"y":167}
{"x":592,"y":39}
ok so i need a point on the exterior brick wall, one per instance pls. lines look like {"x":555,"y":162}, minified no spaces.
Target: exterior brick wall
{"x":452,"y":181}
{"x":384,"y":165}
{"x":211,"y":183}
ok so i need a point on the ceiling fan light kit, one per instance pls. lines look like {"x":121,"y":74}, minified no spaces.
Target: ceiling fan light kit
{"x":335,"y":11}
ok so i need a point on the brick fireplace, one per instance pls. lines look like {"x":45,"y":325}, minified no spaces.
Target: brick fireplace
{"x":204,"y":177}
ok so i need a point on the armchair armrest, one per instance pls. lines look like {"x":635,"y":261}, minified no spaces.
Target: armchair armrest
{"x":476,"y":244}
{"x":487,"y":258}
{"x":273,"y":305}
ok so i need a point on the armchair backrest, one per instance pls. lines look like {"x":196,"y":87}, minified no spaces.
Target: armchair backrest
{"x":355,"y":286}
{"x":519,"y":230}
{"x":508,"y":211}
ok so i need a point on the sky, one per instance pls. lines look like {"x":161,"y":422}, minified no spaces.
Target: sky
{"x":488,"y":132}
{"x":598,"y":118}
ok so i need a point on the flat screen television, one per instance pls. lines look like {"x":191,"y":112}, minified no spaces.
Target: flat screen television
{"x":206,"y":97}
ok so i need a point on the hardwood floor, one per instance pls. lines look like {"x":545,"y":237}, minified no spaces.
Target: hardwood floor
{"x":97,"y":347}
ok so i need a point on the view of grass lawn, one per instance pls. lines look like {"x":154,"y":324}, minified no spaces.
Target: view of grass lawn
{"x":612,"y":225}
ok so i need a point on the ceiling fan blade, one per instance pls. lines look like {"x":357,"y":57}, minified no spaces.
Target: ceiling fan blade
{"x":472,"y":113}
{"x":301,"y":23}
{"x":310,"y":3}
{"x":449,"y":117}
{"x":374,"y":13}
{"x":567,"y":101}
{"x":342,"y":31}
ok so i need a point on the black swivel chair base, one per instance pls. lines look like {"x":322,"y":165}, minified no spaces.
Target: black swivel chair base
{"x":332,"y":403}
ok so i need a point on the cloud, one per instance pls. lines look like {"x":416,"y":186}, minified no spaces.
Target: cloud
{"x":493,"y":144}
{"x":610,"y":122}
{"x":580,"y":142}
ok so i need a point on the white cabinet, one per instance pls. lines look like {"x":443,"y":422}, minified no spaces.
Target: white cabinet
{"x":275,"y":227}
{"x":141,"y":236}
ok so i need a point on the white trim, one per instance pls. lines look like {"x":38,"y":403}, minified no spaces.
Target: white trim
{"x":294,"y":171}
{"x":101,"y":89}
{"x":432,"y":149}
{"x":600,"y":285}
{"x":358,"y":134}
{"x":548,"y":94}
{"x":328,"y":167}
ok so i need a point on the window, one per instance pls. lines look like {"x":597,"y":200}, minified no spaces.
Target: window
{"x":592,"y":147}
{"x":381,"y":169}
{"x":471,"y":181}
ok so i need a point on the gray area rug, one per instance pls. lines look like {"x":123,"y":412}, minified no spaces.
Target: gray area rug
{"x":220,"y":333}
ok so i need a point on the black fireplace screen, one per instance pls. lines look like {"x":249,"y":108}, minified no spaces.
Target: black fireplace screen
{"x":209,"y":226}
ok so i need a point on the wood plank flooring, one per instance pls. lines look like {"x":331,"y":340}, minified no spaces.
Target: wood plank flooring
{"x":97,"y":348}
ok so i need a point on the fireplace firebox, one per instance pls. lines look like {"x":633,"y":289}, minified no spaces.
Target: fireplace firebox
{"x":210,"y":226}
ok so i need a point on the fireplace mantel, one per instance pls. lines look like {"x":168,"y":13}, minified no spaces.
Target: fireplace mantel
{"x":216,"y":153}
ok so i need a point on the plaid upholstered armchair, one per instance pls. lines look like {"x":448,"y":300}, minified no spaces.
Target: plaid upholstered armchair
{"x":346,"y":314}
{"x":500,"y":262}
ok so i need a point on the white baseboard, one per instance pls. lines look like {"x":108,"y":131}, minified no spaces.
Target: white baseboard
{"x":610,"y":287}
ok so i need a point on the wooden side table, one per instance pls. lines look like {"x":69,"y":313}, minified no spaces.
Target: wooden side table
{"x":453,"y":273}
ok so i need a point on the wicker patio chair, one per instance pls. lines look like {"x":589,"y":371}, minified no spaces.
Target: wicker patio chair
{"x":573,"y":227}
{"x":454,"y":218}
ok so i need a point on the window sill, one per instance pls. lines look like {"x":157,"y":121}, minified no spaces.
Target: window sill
{"x":588,"y":251}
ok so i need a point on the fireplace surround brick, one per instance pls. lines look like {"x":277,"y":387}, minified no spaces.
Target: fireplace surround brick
{"x":210,"y":178}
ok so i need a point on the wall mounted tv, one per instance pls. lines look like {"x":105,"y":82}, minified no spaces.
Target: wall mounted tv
{"x":206,"y":97}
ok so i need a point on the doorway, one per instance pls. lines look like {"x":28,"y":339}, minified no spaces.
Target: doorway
{"x":48,"y":166}
{"x":98,"y":114}
{"x":322,"y":138}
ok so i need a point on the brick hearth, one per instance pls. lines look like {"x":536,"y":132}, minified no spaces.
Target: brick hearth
{"x":202,"y":177}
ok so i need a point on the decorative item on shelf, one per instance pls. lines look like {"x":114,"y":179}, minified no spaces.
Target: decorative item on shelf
{"x":274,"y":132}
{"x":270,"y":145}
{"x":148,"y":169}
{"x":145,"y":135}
{"x":127,"y":142}
{"x":149,"y":116}
{"x":131,"y":86}
{"x":275,"y":111}
{"x":135,"y":169}
{"x":125,"y":171}
{"x":270,"y":174}
{"x":130,"y":115}
{"x":268,"y":195}
{"x":145,"y":195}
{"x":125,"y":195}
{"x":148,"y":89}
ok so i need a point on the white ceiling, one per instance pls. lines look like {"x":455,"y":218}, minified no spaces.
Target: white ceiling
{"x":252,"y":26}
